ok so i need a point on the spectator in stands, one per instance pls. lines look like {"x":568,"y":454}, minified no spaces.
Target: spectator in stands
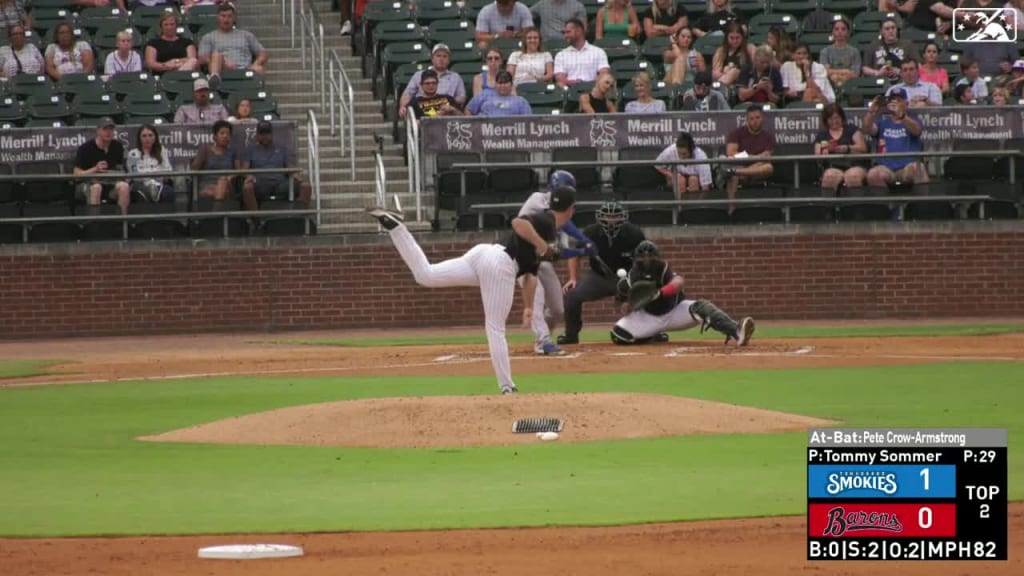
{"x":920,"y":93}
{"x":124,"y":59}
{"x":580,"y":61}
{"x":1012,"y":82}
{"x":217,"y":156}
{"x":243,"y":113}
{"x":230,"y":48}
{"x":189,"y":4}
{"x":841,"y":60}
{"x":963,"y":94}
{"x":895,"y":130}
{"x":884,"y":56}
{"x":616,"y":20}
{"x":265,"y":154}
{"x":751,"y":140}
{"x":502,"y":19}
{"x":930,"y":71}
{"x":702,"y":97}
{"x":102,"y":154}
{"x":732,"y":57}
{"x":20,"y":57}
{"x":12,"y":14}
{"x":449,"y":82}
{"x":717,"y":19}
{"x":1000,"y":97}
{"x":760,"y":81}
{"x":200,"y":111}
{"x":554,"y":14}
{"x":837,"y":136}
{"x":782,"y":46}
{"x":644,"y":103}
{"x":805,"y":80}
{"x":68,"y":55}
{"x":599,"y":99}
{"x":971,"y":74}
{"x":819,"y":20}
{"x":682,"y":61}
{"x":922,"y":14}
{"x":503,"y":102}
{"x":532,"y":63}
{"x":150,"y":157}
{"x":430,"y":102}
{"x":993,"y":58}
{"x":168,"y":51}
{"x":664,"y":18}
{"x":684,"y":178}
{"x":484,"y":81}
{"x":345,"y":8}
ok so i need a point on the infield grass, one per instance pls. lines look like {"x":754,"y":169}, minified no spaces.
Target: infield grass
{"x":764,"y":330}
{"x":70,"y":464}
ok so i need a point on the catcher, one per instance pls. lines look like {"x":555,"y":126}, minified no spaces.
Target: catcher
{"x":653,"y":303}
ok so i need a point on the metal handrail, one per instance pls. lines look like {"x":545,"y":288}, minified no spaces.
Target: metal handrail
{"x":313,"y":153}
{"x":380,"y":177}
{"x":414,"y":164}
{"x":342,"y":97}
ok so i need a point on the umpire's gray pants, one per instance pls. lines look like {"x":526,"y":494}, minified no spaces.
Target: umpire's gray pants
{"x":549,"y":294}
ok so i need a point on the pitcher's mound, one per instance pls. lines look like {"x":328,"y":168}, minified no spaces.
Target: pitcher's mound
{"x":453,"y":421}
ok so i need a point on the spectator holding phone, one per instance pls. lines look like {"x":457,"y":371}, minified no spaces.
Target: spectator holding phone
{"x":761,"y":82}
{"x":502,"y":19}
{"x":895,"y":130}
{"x":839,"y":137}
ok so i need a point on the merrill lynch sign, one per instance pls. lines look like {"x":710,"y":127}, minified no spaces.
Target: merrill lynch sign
{"x":614,"y":131}
{"x":181,"y":142}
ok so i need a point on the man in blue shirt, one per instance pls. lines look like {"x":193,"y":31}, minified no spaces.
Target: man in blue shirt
{"x":266,"y":154}
{"x":895,"y":131}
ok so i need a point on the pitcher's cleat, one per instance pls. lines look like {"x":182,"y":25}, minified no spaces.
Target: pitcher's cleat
{"x":388,"y":219}
{"x":746,"y":331}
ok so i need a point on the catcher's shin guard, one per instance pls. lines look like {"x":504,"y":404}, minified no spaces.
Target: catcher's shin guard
{"x":621,"y":336}
{"x":712,"y":316}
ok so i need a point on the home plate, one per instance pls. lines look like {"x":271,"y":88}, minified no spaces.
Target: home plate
{"x":250,"y":551}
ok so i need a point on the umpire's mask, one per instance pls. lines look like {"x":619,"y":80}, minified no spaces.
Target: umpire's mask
{"x":611,"y":216}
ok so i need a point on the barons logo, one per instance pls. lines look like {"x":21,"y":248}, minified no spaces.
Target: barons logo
{"x":840,"y":522}
{"x":884,"y":482}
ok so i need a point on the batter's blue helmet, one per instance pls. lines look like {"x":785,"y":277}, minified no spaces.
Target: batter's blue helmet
{"x":559,"y":179}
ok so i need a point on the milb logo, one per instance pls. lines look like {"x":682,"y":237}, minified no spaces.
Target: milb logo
{"x":884,"y":482}
{"x":975,"y":25}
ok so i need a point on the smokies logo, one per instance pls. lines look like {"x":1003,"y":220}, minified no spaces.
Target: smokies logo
{"x":840,"y":522}
{"x":884,"y":482}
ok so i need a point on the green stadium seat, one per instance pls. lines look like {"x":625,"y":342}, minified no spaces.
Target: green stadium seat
{"x":139,"y":105}
{"x":11,"y":112}
{"x":798,"y":8}
{"x":94,"y":18}
{"x":141,"y":83}
{"x":871,"y":21}
{"x":105,"y":37}
{"x":71,"y":85}
{"x":762,"y":23}
{"x":50,"y":108}
{"x":146,"y":18}
{"x":428,"y":11}
{"x":93,"y":106}
{"x":23,"y":86}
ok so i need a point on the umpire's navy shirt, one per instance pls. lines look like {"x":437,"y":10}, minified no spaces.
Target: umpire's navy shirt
{"x":273,"y":156}
{"x":619,"y":252}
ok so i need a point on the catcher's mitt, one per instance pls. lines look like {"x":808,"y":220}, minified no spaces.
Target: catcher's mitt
{"x":642,"y":293}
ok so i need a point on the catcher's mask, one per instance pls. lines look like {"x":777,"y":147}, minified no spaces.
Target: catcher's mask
{"x":611,"y":216}
{"x":559,"y":179}
{"x":645,"y":258}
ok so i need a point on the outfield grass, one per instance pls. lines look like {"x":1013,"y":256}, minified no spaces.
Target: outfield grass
{"x":764,"y":330}
{"x":25,"y":368}
{"x":69,"y":464}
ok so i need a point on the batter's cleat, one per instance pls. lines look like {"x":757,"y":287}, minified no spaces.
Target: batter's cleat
{"x":507,"y":391}
{"x":660,"y":338}
{"x":565,"y":339}
{"x":387,"y":218}
{"x":746,"y":331}
{"x":549,"y":349}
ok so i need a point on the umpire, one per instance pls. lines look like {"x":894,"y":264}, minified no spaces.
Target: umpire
{"x":615,"y":240}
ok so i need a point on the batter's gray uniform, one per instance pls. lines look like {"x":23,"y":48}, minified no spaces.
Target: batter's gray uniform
{"x":549,"y":287}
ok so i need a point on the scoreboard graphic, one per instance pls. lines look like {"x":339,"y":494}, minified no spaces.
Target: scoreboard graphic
{"x":906,"y":494}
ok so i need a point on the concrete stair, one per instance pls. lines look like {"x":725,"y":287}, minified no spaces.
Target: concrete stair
{"x":292,"y":86}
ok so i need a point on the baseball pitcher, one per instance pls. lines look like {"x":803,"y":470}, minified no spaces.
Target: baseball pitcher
{"x":653,"y":303}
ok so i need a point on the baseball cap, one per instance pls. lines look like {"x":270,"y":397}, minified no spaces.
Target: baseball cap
{"x":562,"y":198}
{"x":105,"y":122}
{"x":200,"y":84}
{"x":437,"y":47}
{"x":703,"y":78}
{"x":1018,"y":65}
{"x":264,"y":127}
{"x":898,"y":93}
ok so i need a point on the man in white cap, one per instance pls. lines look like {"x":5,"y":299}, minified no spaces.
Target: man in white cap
{"x":1014,"y":82}
{"x":448,"y":82}
{"x":200,"y":111}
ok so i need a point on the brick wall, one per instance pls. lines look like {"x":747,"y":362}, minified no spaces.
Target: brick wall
{"x":838,"y":271}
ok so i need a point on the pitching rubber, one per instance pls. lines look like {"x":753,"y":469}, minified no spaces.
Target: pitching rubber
{"x":250,"y":551}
